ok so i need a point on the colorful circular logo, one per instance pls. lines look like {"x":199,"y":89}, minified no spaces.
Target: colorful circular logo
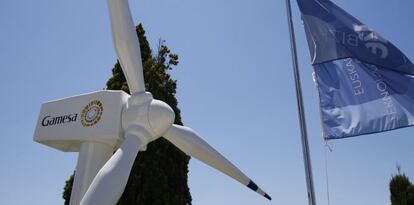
{"x":92,"y":113}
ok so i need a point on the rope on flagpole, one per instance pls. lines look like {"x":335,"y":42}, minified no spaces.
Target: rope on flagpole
{"x":327,"y":147}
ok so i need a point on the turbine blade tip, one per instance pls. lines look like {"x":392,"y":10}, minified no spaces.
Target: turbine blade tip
{"x":268,"y":197}
{"x":253,"y":186}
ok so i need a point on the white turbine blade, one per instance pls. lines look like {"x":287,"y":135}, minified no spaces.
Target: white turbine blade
{"x":126,"y":44}
{"x":109,"y":184}
{"x":192,"y":144}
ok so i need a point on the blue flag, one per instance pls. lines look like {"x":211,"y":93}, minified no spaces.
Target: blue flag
{"x":365,"y":83}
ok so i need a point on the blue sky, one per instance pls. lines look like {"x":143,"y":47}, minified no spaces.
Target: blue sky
{"x":235,"y":87}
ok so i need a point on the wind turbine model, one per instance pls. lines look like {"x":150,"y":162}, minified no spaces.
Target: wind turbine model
{"x":110,"y":118}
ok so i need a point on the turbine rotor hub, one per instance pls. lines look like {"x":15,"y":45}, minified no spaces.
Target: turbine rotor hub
{"x":146,"y":118}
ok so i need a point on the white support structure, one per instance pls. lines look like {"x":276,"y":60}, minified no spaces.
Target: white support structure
{"x":92,"y":156}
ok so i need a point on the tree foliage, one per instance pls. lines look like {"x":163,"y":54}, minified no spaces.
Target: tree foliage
{"x":159,"y":174}
{"x":402,"y":190}
{"x":68,"y":189}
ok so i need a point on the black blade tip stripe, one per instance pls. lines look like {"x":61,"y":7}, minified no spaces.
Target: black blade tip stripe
{"x":268,"y":197}
{"x":253,"y":186}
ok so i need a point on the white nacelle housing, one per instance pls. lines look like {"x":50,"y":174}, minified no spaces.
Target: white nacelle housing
{"x":94,"y":117}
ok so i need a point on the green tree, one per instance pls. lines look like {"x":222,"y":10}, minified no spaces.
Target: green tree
{"x":402,"y":190}
{"x":68,"y":189}
{"x":159,"y":174}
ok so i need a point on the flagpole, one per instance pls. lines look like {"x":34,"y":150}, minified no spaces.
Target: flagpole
{"x":305,"y":144}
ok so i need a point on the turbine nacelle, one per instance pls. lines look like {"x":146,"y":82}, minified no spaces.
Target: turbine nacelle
{"x":146,"y":118}
{"x":66,"y":123}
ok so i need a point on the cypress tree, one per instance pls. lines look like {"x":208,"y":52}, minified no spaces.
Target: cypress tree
{"x":68,"y":189}
{"x":402,"y":190}
{"x":159,"y":174}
